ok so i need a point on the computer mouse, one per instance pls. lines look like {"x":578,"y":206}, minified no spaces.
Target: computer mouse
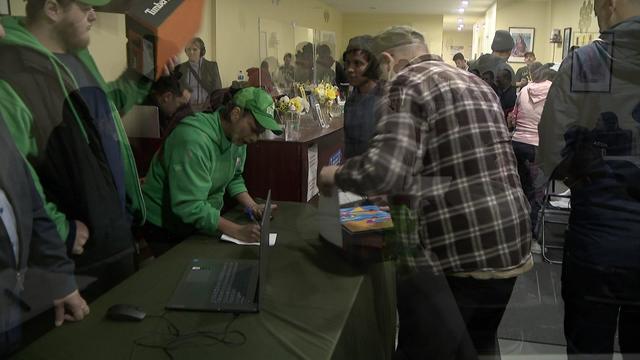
{"x":125,"y":312}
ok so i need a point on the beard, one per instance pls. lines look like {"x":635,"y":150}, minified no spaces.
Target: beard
{"x":74,"y":36}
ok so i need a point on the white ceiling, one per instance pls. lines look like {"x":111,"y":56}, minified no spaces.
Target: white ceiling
{"x":473,"y":12}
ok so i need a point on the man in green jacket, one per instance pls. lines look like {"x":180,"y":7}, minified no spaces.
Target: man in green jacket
{"x":200,"y":160}
{"x":66,"y":123}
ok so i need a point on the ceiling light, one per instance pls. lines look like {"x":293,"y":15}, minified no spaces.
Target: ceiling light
{"x":464,"y":3}
{"x":460,"y":20}
{"x":461,"y":10}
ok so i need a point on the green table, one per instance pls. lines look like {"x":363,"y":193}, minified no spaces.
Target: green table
{"x":317,"y":305}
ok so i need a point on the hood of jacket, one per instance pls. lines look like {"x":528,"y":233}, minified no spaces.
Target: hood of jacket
{"x":538,"y":91}
{"x":626,"y":49}
{"x":208,"y":125}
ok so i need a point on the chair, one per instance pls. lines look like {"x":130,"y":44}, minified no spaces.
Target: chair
{"x":554,"y":219}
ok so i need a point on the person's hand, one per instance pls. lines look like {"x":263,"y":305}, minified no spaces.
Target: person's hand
{"x":76,"y":305}
{"x":380,"y":201}
{"x":249,"y":233}
{"x":170,"y":66}
{"x":258,"y":210}
{"x":82,"y":235}
{"x":327,"y":180}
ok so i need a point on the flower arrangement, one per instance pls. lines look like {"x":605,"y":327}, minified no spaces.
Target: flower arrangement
{"x":325,"y":93}
{"x":296,"y":105}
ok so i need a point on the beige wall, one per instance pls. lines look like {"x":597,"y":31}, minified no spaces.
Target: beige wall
{"x":17,"y":7}
{"x":566,"y":13}
{"x":528,"y":13}
{"x":237,"y":31}
{"x":429,"y":25}
{"x":456,"y":39}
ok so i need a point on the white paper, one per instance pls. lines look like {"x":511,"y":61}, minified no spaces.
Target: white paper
{"x":348,"y":197}
{"x":272,"y":240}
{"x":329,"y":219}
{"x":312,"y":184}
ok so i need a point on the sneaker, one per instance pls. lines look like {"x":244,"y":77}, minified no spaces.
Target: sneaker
{"x":535,"y":248}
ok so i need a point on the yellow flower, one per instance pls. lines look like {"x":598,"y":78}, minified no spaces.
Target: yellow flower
{"x":331,"y":93}
{"x":296,"y":103}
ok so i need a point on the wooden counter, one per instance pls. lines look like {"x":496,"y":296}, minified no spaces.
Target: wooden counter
{"x":283,"y":166}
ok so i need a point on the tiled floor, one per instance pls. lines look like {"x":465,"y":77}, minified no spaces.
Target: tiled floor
{"x":532,"y":327}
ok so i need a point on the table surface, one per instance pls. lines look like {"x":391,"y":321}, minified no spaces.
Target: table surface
{"x":309,"y":295}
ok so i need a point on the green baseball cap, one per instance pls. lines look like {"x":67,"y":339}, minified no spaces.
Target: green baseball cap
{"x":261,"y":106}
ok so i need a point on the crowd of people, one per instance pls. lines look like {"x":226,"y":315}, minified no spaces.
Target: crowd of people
{"x":459,"y":154}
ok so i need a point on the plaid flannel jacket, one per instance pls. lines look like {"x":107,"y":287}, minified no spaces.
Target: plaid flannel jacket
{"x":443,"y":150}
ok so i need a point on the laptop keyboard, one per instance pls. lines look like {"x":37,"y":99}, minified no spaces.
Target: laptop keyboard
{"x":228,"y":283}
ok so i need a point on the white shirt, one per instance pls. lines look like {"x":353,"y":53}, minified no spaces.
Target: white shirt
{"x":9,"y":219}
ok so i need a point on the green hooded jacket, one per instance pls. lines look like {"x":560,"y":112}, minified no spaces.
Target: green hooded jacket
{"x":123,"y":94}
{"x":188,"y":178}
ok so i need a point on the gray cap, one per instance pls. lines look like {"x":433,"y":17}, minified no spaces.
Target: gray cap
{"x":397,"y":36}
{"x":502,"y":41}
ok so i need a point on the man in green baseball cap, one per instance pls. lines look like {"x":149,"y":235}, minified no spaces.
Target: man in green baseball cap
{"x":201,"y":160}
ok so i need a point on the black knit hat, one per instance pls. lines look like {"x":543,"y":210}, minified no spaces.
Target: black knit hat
{"x":502,"y":41}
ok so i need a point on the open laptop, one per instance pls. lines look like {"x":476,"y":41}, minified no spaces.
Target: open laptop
{"x":225,"y":285}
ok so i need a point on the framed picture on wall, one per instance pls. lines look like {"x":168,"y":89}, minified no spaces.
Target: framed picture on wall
{"x":524,"y":39}
{"x":566,"y":42}
{"x":5,"y":7}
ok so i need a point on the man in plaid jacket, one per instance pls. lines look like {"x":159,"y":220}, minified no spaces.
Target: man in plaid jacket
{"x":442,"y":153}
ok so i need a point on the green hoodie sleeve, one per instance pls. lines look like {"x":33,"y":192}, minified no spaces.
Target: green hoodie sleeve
{"x":189,"y":165}
{"x":126,"y":91}
{"x":236,"y":185}
{"x":19,"y":122}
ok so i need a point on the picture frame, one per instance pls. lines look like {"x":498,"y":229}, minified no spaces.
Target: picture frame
{"x":5,"y":7}
{"x":566,"y":41}
{"x":524,"y":40}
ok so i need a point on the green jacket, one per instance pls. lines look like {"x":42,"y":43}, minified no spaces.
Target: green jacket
{"x":188,"y":178}
{"x":123,"y":93}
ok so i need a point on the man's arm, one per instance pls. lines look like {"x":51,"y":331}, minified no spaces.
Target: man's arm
{"x":20,"y":127}
{"x":384,"y":168}
{"x":188,"y":175}
{"x":48,"y":253}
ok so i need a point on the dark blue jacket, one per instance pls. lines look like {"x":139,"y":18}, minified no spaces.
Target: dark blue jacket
{"x":590,"y":137}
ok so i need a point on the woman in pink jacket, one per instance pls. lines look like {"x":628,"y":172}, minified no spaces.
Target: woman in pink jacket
{"x":525,"y":118}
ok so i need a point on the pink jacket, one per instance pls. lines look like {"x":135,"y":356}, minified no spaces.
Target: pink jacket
{"x":528,"y":111}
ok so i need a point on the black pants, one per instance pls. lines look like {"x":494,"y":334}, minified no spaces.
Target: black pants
{"x":526,"y":157}
{"x":430,"y":323}
{"x":482,"y":304}
{"x":599,"y":301}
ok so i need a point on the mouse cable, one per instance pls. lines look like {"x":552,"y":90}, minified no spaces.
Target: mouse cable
{"x":173,"y":340}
